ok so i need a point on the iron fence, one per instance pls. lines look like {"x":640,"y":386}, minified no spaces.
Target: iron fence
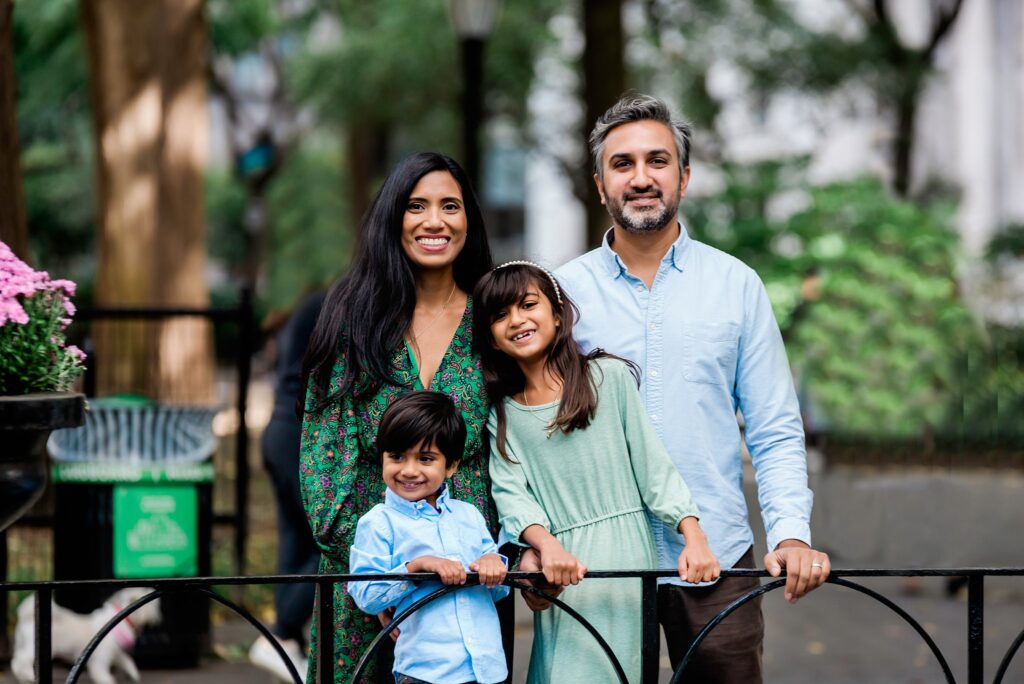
{"x":975,"y":578}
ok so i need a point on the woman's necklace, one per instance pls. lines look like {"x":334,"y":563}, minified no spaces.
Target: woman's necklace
{"x":549,"y":426}
{"x":431,"y":322}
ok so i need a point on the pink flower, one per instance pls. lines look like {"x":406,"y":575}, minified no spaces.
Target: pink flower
{"x":76,"y":352}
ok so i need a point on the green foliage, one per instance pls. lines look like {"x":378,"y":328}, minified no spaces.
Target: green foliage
{"x":55,"y":134}
{"x":309,"y":242}
{"x":396,"y":65}
{"x":865,"y":291}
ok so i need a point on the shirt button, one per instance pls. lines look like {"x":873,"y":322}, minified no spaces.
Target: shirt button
{"x":653,"y":327}
{"x":639,"y":288}
{"x":654,"y":417}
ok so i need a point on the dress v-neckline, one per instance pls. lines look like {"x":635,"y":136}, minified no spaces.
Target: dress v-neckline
{"x":417,"y":380}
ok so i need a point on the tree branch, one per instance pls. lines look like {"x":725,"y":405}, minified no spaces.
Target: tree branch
{"x":942,"y":26}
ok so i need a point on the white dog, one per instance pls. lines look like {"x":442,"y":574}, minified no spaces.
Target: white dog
{"x":72,"y":632}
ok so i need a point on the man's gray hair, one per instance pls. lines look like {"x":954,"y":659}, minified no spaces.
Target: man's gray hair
{"x":637,"y":107}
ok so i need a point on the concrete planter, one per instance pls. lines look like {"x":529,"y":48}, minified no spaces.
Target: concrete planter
{"x":25,"y":424}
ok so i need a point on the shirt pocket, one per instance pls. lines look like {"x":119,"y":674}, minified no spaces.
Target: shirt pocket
{"x":709,"y":351}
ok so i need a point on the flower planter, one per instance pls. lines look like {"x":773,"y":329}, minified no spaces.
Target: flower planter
{"x":25,"y":424}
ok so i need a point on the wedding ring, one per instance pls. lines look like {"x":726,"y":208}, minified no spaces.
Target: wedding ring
{"x":815,"y":565}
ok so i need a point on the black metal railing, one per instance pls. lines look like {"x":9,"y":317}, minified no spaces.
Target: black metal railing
{"x":650,"y":655}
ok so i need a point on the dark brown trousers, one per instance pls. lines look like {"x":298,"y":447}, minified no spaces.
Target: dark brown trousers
{"x":731,"y":653}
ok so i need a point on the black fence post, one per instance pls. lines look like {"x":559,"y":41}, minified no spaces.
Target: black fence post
{"x":243,"y":364}
{"x":325,"y":631}
{"x":5,"y":639}
{"x":975,"y":629}
{"x":44,"y":642}
{"x":650,"y":641}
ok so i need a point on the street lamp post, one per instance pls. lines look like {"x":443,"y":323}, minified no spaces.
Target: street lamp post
{"x":473,"y":21}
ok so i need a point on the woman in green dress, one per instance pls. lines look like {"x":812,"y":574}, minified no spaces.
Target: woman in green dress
{"x":400,"y":320}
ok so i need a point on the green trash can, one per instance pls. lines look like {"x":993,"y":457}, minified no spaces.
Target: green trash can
{"x":133,"y":499}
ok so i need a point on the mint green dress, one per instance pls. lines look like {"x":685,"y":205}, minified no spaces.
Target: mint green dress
{"x":591,"y":489}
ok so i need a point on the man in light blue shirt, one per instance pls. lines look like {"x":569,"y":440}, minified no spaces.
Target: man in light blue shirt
{"x":699,"y":324}
{"x":418,"y":528}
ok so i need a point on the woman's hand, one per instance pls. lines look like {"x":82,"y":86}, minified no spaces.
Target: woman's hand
{"x":491,"y":569}
{"x":451,"y":572}
{"x":385,"y":617}
{"x":530,"y":562}
{"x":696,"y":562}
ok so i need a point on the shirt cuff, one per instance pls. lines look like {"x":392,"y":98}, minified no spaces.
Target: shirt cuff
{"x":789,"y":528}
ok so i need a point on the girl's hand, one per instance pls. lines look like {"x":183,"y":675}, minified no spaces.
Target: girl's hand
{"x":559,"y":566}
{"x":696,"y":562}
{"x":451,"y":572}
{"x":491,"y":569}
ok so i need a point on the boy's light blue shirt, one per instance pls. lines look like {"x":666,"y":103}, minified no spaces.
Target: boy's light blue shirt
{"x":456,"y":638}
{"x":707,"y":343}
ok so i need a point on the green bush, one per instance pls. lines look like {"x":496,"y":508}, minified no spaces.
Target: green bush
{"x":865,"y":290}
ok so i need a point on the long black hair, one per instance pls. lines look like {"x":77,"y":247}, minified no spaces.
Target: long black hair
{"x":503,"y":376}
{"x":368,"y":310}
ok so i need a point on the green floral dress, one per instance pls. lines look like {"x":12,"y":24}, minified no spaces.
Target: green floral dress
{"x":341,"y":475}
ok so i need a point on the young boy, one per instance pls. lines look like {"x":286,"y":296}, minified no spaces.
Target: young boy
{"x":456,"y":638}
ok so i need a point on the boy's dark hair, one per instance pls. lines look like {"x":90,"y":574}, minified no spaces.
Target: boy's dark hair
{"x":423,"y":416}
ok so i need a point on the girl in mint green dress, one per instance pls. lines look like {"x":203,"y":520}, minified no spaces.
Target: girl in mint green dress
{"x":575,"y":467}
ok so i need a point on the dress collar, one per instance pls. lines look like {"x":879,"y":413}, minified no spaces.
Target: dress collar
{"x":673,"y":257}
{"x":417,"y":509}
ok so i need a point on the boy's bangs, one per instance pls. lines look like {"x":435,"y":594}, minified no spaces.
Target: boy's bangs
{"x":504,"y":287}
{"x":407,"y":433}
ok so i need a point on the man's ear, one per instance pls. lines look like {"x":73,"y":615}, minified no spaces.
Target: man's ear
{"x":684,"y":180}
{"x":600,"y":188}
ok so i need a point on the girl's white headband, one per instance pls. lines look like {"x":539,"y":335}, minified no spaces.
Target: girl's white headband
{"x":554,"y":283}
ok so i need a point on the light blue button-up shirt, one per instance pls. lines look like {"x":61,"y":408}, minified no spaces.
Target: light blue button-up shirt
{"x":707,"y":343}
{"x":456,"y":638}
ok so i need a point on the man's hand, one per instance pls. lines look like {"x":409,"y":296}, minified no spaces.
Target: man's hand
{"x":385,"y":617}
{"x":530,"y":562}
{"x":806,"y":569}
{"x":451,"y":572}
{"x":491,"y":569}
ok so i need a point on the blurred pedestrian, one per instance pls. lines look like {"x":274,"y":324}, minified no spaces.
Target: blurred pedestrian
{"x":297,"y":554}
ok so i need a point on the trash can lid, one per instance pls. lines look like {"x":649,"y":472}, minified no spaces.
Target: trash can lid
{"x":135,"y":432}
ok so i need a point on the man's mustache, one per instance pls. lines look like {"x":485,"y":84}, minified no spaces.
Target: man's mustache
{"x":633,"y":194}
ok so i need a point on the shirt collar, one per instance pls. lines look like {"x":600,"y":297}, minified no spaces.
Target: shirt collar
{"x":416,"y":509}
{"x":674,"y":256}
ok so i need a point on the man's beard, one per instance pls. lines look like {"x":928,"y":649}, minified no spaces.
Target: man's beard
{"x":642,"y":221}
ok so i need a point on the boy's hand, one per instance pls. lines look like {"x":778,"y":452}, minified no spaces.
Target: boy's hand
{"x":696,"y":562}
{"x":491,"y":569}
{"x":451,"y":572}
{"x":559,"y":566}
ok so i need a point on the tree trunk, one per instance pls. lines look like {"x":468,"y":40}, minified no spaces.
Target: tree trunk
{"x":12,"y":197}
{"x":148,"y":101}
{"x":367,"y":166}
{"x":903,"y":142}
{"x":604,"y":76}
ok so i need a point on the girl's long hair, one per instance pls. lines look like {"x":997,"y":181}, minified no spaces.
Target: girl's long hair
{"x":503,"y":287}
{"x":368,"y":310}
